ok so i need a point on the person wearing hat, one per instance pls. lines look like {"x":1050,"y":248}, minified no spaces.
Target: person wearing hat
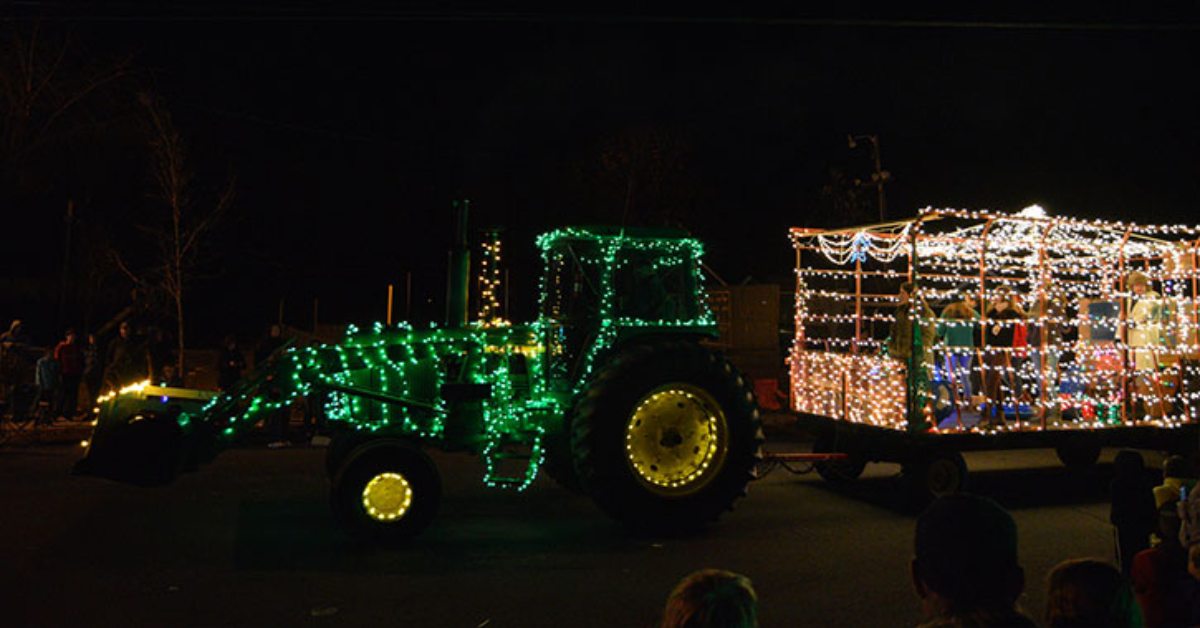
{"x":1143,"y":335}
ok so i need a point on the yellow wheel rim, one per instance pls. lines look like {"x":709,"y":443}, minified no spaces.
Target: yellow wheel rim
{"x":387,"y":497}
{"x":676,"y":439}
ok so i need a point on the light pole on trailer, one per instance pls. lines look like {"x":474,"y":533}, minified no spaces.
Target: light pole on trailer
{"x":879,"y":176}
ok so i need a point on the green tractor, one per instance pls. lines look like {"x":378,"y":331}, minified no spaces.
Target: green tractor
{"x":612,"y":391}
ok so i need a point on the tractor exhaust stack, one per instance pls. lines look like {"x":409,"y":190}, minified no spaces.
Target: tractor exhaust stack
{"x":459,"y":269}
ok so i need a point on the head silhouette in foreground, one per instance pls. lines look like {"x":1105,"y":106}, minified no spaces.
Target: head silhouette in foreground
{"x":712,"y":598}
{"x":965,"y":569}
{"x":1089,"y":593}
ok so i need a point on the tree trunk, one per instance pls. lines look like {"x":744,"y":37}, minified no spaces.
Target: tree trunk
{"x":179,"y":336}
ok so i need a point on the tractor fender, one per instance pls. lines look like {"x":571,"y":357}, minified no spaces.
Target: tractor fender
{"x":361,"y":445}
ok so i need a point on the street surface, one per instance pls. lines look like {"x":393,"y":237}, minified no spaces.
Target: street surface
{"x":248,"y":541}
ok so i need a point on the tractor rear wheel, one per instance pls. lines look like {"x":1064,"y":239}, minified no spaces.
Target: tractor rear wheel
{"x":386,"y":491}
{"x":666,"y":436}
{"x":558,"y":464}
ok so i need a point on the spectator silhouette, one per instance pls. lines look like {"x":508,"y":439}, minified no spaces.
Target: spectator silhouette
{"x":48,"y":378}
{"x":17,"y":360}
{"x":265,"y":356}
{"x":966,"y":570}
{"x":93,"y":371}
{"x":1159,"y":575}
{"x":1178,"y":473}
{"x":712,"y":598}
{"x":1089,"y":593}
{"x":1133,"y":513}
{"x":127,"y":360}
{"x":230,"y":365}
{"x":69,"y":355}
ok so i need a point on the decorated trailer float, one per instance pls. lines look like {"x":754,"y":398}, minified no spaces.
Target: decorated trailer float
{"x":903,"y":352}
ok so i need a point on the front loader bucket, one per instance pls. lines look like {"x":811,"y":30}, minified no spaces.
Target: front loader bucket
{"x":146,"y":450}
{"x":147,"y":438}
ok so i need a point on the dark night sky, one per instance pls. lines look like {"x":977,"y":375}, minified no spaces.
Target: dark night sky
{"x":350,"y":136}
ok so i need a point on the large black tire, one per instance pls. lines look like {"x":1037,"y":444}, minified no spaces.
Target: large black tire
{"x":835,"y":471}
{"x":935,"y":474}
{"x":1078,"y":453}
{"x":558,"y":464}
{"x":386,"y":491}
{"x":340,"y":445}
{"x":666,"y":436}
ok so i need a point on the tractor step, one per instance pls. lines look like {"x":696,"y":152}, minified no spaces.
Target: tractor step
{"x":506,"y":482}
{"x":511,"y":465}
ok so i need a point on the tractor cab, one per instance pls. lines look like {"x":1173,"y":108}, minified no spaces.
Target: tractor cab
{"x":604,"y":285}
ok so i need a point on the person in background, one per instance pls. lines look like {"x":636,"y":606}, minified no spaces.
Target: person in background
{"x":965,"y":568}
{"x":1089,"y":593}
{"x":1144,"y":328}
{"x":1133,"y":514}
{"x":69,"y":355}
{"x":900,"y":341}
{"x":999,"y":330}
{"x":957,"y":330}
{"x":47,"y":377}
{"x":1045,"y":324}
{"x":230,"y":364}
{"x":1193,"y":597}
{"x":264,"y":357}
{"x":268,"y":346}
{"x":127,"y":361}
{"x":16,"y":360}
{"x":170,"y":377}
{"x":93,"y":374}
{"x":712,"y":598}
{"x":1188,"y":508}
{"x":1178,"y":476}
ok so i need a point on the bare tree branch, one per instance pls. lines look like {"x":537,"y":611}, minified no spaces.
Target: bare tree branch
{"x":188,"y":223}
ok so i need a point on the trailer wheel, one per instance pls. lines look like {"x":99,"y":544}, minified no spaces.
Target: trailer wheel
{"x":666,"y":436}
{"x":386,"y":491}
{"x":1078,"y":453}
{"x":936,"y":475}
{"x":837,"y":470}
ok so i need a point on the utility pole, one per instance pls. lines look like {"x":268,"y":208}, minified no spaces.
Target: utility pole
{"x":879,"y":176}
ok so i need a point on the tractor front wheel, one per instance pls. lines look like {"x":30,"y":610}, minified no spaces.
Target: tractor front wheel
{"x":386,"y":491}
{"x":666,"y":436}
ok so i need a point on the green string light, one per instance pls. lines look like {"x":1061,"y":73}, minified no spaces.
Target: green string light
{"x":400,"y":362}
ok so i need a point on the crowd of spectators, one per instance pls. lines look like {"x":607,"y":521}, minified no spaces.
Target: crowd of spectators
{"x":967,"y":574}
{"x":60,"y":380}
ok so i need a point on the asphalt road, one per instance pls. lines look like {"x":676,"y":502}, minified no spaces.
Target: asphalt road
{"x":248,"y":541}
